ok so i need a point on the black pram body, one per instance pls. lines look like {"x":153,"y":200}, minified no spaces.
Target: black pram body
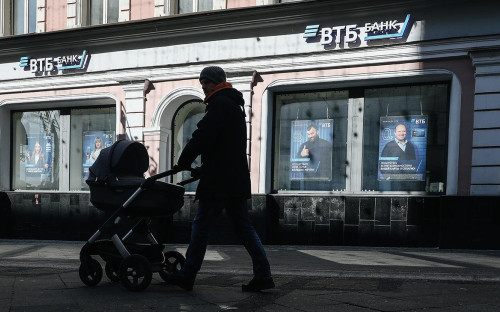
{"x":119,"y":171}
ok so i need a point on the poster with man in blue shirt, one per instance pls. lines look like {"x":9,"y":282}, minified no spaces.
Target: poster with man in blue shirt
{"x":402,"y":148}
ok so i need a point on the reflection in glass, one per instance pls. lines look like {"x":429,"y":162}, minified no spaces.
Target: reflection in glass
{"x":185,"y":121}
{"x":309,"y":123}
{"x":185,"y":6}
{"x":113,"y":10}
{"x":32,"y":16}
{"x":36,"y":150}
{"x":403,"y":104}
{"x":205,"y":5}
{"x":18,"y":17}
{"x":96,"y":12}
{"x":91,"y":131}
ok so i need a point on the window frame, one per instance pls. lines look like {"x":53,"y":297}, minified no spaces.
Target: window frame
{"x":105,"y":15}
{"x":26,"y":17}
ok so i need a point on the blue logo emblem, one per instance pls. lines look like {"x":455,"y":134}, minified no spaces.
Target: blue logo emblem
{"x":311,"y":31}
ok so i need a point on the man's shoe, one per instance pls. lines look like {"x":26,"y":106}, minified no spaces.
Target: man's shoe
{"x":180,"y":279}
{"x":258,"y":284}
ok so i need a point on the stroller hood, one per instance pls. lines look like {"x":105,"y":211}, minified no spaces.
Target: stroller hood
{"x":123,"y":158}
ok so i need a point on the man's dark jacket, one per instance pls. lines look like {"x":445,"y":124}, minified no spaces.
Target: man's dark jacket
{"x":220,"y":139}
{"x":392,"y":149}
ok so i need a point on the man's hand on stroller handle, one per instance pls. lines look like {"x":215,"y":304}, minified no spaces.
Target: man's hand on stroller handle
{"x":195,"y":172}
{"x":148,"y":182}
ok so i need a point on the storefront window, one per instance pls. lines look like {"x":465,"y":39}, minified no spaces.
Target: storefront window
{"x":362,"y":140}
{"x":405,"y":138}
{"x":185,"y":121}
{"x":91,"y":131}
{"x":311,"y":141}
{"x":54,"y":149}
{"x":35,"y":160}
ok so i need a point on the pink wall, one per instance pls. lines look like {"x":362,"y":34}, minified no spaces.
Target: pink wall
{"x":141,"y":9}
{"x":161,"y":89}
{"x":56,"y":12}
{"x":240,"y":3}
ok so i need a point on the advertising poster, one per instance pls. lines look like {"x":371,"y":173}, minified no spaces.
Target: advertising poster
{"x":402,"y":148}
{"x":311,"y":149}
{"x":39,"y":158}
{"x":93,"y":143}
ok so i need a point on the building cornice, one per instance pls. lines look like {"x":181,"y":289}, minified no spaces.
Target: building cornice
{"x":212,"y":24}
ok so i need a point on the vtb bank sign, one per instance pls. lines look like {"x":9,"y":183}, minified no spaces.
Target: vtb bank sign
{"x":390,"y":29}
{"x":54,"y":64}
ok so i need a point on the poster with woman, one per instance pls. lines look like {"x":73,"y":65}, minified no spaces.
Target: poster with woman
{"x":402,"y":148}
{"x":311,"y":149}
{"x":93,"y":143}
{"x":38,"y":158}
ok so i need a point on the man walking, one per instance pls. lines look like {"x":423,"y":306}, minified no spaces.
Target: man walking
{"x":220,"y":139}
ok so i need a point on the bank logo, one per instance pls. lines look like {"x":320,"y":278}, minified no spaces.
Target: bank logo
{"x":24,"y":61}
{"x":391,"y":29}
{"x":311,"y":31}
{"x":54,"y":64}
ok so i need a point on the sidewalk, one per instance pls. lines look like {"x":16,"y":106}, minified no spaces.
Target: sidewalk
{"x":43,"y":276}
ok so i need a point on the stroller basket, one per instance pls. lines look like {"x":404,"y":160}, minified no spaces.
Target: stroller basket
{"x":161,"y":199}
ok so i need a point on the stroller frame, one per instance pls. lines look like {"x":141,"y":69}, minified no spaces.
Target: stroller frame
{"x":132,"y":264}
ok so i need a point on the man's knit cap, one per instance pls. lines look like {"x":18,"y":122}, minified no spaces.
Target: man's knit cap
{"x":213,"y":73}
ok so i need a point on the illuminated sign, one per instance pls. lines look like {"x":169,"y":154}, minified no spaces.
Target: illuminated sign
{"x":390,"y":29}
{"x":54,"y":64}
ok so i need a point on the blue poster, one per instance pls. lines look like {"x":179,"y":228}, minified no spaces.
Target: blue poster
{"x":402,"y":148}
{"x":93,"y":143}
{"x":311,"y":149}
{"x":39,"y":161}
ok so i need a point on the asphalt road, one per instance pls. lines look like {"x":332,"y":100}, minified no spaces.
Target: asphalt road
{"x":43,"y":276}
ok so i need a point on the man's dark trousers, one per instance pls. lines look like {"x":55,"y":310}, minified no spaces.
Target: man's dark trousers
{"x":236,"y":209}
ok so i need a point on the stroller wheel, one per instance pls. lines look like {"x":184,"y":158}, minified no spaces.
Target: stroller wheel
{"x":112,"y":270}
{"x":135,"y":273}
{"x":173,"y":262}
{"x":90,"y":272}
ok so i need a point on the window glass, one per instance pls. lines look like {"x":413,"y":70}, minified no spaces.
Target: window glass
{"x":32,"y":16}
{"x":113,"y":10}
{"x":18,"y":17}
{"x":185,"y":6}
{"x":405,"y":138}
{"x":96,"y":11}
{"x":310,"y":145}
{"x":91,"y":131}
{"x":35,"y":160}
{"x":185,"y":121}
{"x":205,"y":5}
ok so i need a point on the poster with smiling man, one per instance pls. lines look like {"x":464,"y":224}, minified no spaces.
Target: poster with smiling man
{"x":402,"y":148}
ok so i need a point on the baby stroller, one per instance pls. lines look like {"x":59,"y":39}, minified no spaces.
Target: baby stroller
{"x":117,"y":187}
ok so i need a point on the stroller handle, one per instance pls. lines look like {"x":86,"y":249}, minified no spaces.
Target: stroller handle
{"x":164,"y":174}
{"x":190,"y":180}
{"x":149,"y":181}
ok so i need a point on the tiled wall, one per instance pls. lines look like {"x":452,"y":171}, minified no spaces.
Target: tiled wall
{"x":427,"y":221}
{"x":372,"y":221}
